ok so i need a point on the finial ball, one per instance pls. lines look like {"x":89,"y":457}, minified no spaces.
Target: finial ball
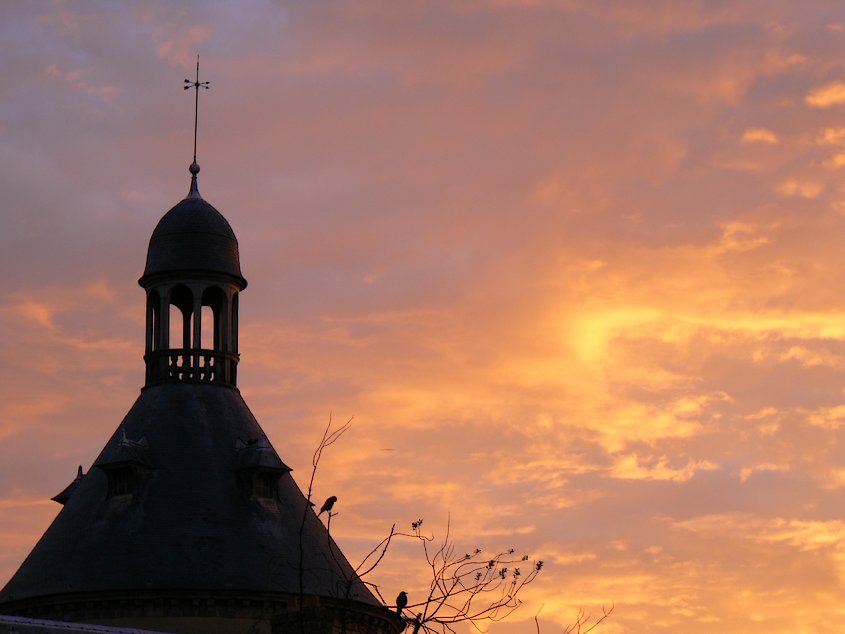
{"x":194,"y":168}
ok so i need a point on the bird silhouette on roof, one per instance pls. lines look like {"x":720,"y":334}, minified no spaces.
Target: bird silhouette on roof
{"x":401,"y":601}
{"x":327,"y":505}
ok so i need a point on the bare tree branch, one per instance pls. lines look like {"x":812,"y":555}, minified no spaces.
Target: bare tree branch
{"x":470,"y":587}
{"x":582,"y":623}
{"x":329,"y":437}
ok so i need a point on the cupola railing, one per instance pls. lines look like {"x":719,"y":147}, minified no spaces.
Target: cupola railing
{"x":191,"y":365}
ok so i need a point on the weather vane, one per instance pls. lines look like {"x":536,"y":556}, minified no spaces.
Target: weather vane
{"x":196,"y":85}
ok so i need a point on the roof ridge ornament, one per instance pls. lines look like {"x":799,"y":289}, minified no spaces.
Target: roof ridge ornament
{"x":195,"y":168}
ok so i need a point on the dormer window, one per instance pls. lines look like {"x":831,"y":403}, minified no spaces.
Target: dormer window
{"x":265,"y":484}
{"x":125,"y":466}
{"x":123,"y":480}
{"x":260,"y":468}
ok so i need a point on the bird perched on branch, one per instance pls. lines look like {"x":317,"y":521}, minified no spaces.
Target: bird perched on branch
{"x":401,"y":601}
{"x":327,"y":505}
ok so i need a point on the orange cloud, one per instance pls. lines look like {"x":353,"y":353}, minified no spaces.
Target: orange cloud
{"x":792,"y":187}
{"x":630,"y":467}
{"x":832,"y":94}
{"x":759,"y":135}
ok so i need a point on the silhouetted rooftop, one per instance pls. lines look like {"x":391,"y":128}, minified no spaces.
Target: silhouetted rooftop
{"x":192,"y":524}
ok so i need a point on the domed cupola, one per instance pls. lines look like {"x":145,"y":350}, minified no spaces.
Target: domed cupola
{"x":193,"y":237}
{"x":192,"y":278}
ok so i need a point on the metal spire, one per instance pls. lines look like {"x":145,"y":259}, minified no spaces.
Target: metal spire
{"x":195,"y":168}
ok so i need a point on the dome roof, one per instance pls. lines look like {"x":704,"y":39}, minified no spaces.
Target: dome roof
{"x":193,"y":237}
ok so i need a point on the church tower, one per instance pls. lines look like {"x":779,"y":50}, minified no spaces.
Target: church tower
{"x":188,"y":521}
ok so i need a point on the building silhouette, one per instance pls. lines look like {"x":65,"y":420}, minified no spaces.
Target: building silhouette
{"x":188,"y":520}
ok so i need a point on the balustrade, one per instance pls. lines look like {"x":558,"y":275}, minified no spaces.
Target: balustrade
{"x":190,"y":365}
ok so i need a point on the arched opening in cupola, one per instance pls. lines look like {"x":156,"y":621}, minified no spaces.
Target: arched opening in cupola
{"x":181,"y":313}
{"x":153,"y":320}
{"x":213,"y":316}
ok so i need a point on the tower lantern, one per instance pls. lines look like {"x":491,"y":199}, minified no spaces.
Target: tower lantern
{"x":192,"y":279}
{"x":192,"y":263}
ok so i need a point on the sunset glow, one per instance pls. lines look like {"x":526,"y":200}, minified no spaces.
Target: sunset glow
{"x":575,"y":269}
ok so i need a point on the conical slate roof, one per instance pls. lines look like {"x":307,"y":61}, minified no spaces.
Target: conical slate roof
{"x":192,"y":523}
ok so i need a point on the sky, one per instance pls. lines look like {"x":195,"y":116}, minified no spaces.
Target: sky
{"x":574,"y":269}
